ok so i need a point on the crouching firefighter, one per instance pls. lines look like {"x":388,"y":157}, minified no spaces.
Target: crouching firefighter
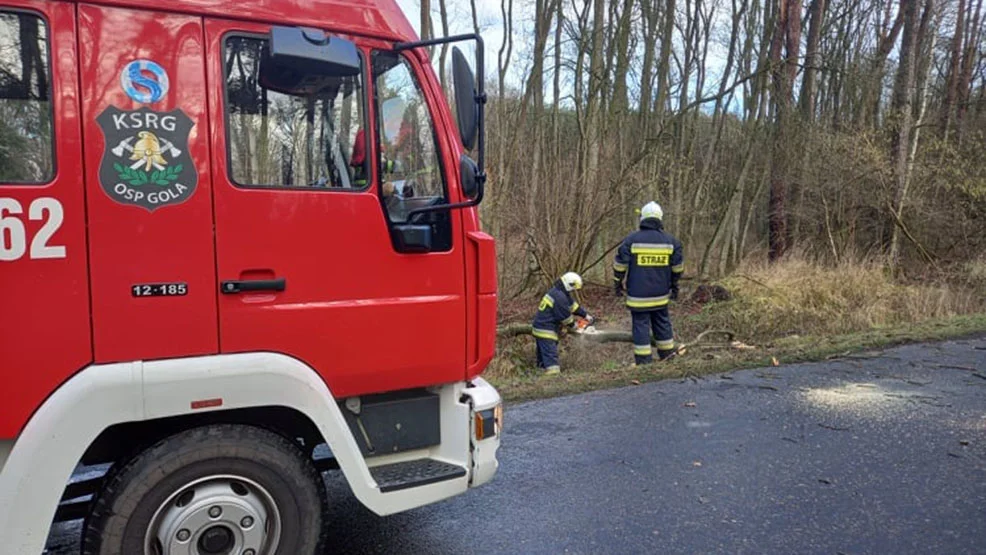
{"x":557,"y":308}
{"x":650,"y":260}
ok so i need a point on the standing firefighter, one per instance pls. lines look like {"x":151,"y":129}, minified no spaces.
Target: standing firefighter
{"x":651,"y":261}
{"x":557,"y":308}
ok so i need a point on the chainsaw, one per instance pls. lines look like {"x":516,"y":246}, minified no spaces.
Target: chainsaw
{"x":583,"y":326}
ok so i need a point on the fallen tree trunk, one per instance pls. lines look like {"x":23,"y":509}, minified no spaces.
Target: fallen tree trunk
{"x":599,"y":336}
{"x":619,"y":336}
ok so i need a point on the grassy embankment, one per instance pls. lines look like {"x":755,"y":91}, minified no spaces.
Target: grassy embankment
{"x":791,"y":312}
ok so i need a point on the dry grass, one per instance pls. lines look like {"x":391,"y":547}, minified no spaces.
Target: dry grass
{"x":974,"y":273}
{"x":800,"y":297}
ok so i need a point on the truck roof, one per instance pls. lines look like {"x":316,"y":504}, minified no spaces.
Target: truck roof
{"x":376,"y":18}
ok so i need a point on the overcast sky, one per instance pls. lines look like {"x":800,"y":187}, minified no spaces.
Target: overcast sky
{"x":460,"y":21}
{"x":491,"y":28}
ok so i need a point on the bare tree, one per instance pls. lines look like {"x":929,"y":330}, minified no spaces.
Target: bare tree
{"x":902,"y":116}
{"x":809,"y":85}
{"x":787,"y":37}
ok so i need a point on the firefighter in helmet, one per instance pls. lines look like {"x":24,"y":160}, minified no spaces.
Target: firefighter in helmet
{"x":557,"y":308}
{"x":651,"y":262}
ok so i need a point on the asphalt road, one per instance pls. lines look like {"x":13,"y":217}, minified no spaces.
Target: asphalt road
{"x":878,"y":453}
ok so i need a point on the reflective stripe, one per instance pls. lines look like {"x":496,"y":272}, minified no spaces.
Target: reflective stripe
{"x":678,"y":269}
{"x":575,"y":306}
{"x":648,"y":302}
{"x":544,"y":334}
{"x":642,"y":350}
{"x":651,"y":248}
{"x":548,"y":300}
{"x":617,"y":267}
{"x":665,"y":345}
{"x":568,"y":320}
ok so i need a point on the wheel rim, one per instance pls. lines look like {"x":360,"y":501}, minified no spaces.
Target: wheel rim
{"x":215,"y":515}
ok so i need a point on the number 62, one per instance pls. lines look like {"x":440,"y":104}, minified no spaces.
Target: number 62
{"x":13,"y":236}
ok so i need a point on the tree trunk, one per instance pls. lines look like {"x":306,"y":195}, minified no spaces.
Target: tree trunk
{"x":596,"y":81}
{"x":444,"y":55}
{"x":787,"y":37}
{"x":971,"y":54}
{"x":902,"y":117}
{"x":620,"y":101}
{"x":507,"y":46}
{"x":426,"y":30}
{"x":650,"y":19}
{"x":475,"y":19}
{"x":664,"y":66}
{"x":927,"y":39}
{"x":954,"y":65}
{"x":556,"y":84}
{"x":870,"y":106}
{"x":809,"y":85}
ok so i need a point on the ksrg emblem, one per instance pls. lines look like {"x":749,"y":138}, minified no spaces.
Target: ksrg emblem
{"x":146,"y":161}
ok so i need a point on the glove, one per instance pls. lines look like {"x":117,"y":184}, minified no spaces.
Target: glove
{"x":618,"y":289}
{"x":674,"y":294}
{"x":590,"y":319}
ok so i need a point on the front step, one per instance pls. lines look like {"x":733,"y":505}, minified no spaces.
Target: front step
{"x":411,"y":474}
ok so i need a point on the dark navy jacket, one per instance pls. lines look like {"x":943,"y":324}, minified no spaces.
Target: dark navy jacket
{"x":651,"y":260}
{"x":556,"y":308}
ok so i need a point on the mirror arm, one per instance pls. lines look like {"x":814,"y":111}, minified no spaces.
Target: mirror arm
{"x":481,"y":106}
{"x":432,"y":42}
{"x":480,"y":179}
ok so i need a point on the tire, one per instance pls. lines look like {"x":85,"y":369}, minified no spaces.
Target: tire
{"x":266,"y":493}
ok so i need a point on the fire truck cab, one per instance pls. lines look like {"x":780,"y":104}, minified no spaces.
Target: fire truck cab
{"x":234,"y":235}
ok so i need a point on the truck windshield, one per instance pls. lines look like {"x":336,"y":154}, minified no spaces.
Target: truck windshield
{"x":281,"y":140}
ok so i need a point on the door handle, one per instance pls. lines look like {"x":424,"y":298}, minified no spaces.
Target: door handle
{"x":233,"y":286}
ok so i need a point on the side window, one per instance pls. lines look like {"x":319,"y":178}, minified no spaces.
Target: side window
{"x":410,"y":172}
{"x":281,"y":140}
{"x":26,"y":150}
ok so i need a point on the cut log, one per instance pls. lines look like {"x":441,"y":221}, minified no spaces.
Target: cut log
{"x":599,"y":336}
{"x":619,"y":336}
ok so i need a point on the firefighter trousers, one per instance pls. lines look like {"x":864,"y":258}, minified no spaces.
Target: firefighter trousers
{"x":547,"y":353}
{"x":646,"y":322}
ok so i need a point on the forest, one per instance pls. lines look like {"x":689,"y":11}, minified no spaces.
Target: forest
{"x":822,"y":159}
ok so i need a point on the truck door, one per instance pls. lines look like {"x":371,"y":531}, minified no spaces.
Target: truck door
{"x":305,"y":255}
{"x":148,"y":184}
{"x":44,"y":319}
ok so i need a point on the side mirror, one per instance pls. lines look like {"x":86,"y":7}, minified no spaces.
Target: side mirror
{"x":304,"y":61}
{"x":469,"y":176}
{"x":466,"y":106}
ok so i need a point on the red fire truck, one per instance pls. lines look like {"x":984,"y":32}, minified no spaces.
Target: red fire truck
{"x":231,"y":233}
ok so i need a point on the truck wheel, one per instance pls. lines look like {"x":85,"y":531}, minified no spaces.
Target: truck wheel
{"x":214,"y":490}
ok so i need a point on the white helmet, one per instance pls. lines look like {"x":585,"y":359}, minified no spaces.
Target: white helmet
{"x":651,"y":210}
{"x":571,"y":281}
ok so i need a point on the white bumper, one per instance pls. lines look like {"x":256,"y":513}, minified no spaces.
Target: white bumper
{"x":484,"y":464}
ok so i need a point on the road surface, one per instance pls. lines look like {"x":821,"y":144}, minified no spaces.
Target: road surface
{"x":878,"y":453}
